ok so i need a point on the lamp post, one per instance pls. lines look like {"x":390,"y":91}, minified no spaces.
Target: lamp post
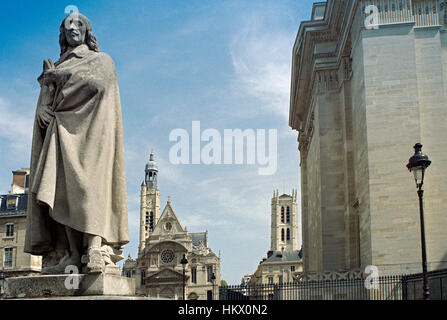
{"x":213,"y":280}
{"x":418,"y":164}
{"x":184,"y":262}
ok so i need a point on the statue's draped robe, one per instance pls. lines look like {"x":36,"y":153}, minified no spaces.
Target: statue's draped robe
{"x":77,"y":175}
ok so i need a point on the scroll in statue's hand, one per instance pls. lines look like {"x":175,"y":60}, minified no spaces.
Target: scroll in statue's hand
{"x":47,"y":80}
{"x":48,"y":76}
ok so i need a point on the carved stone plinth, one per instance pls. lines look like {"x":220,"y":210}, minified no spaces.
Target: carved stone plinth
{"x":69,"y":285}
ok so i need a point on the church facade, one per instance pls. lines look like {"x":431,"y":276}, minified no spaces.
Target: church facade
{"x":158,"y":270}
{"x":368,"y":83}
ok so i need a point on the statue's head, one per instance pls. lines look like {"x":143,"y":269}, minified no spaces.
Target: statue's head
{"x":75,"y":30}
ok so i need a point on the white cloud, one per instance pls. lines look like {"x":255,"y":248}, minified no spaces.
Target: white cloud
{"x":261,"y":58}
{"x":15,"y":128}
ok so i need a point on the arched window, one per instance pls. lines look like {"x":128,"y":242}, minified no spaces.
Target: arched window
{"x":147,"y":217}
{"x":288,"y":214}
{"x":151,"y":221}
{"x":288,"y":234}
{"x":282,"y":234}
{"x":282,"y":214}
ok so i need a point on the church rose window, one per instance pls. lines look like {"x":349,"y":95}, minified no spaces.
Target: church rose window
{"x":167,"y":256}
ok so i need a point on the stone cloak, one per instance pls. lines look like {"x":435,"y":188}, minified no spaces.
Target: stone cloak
{"x":77,"y":173}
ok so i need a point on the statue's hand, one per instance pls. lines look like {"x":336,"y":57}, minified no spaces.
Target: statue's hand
{"x":48,"y":76}
{"x":44,"y":116}
{"x":48,"y":64}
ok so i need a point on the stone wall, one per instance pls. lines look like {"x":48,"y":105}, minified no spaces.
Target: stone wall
{"x":369,"y":97}
{"x":404,"y":104}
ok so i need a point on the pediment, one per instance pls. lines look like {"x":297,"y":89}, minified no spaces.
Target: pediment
{"x":166,"y":275}
{"x":168,"y":225}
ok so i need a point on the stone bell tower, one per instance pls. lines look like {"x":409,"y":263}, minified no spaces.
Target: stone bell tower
{"x":149,"y":203}
{"x":284,"y":224}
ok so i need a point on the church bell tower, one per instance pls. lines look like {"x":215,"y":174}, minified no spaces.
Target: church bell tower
{"x":149,"y":203}
{"x":284,"y":224}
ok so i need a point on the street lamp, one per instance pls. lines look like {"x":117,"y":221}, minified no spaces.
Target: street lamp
{"x":417,"y":164}
{"x":213,"y":280}
{"x":184,"y":262}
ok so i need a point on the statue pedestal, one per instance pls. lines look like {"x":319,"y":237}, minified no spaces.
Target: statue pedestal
{"x":69,"y":285}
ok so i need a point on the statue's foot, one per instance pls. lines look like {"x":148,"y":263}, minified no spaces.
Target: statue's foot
{"x":95,"y":261}
{"x":61,"y":267}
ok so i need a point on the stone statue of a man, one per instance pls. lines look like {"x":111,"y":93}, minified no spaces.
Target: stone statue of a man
{"x":77,"y":210}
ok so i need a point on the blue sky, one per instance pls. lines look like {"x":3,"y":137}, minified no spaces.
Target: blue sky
{"x":223,"y":63}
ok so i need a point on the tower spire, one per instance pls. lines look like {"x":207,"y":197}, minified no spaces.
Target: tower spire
{"x":151,"y":172}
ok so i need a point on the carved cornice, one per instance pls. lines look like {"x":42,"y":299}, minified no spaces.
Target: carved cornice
{"x":308,"y":64}
{"x":325,"y":81}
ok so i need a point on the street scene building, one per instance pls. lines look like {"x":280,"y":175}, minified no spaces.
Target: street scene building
{"x":164,"y":243}
{"x":367,"y":86}
{"x":13,"y":261}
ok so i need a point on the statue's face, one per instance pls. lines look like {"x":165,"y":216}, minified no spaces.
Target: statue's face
{"x":75,"y":31}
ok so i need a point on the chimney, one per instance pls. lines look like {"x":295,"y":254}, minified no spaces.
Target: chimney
{"x":20,"y":181}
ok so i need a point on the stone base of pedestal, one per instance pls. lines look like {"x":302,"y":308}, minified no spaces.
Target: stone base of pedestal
{"x":69,"y":285}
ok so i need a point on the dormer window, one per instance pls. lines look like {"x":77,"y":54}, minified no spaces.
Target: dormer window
{"x":11,"y":203}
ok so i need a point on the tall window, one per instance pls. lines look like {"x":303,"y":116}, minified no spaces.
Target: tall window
{"x":193,"y":275}
{"x":151,"y":222}
{"x":270,"y":280}
{"x":209,"y":273}
{"x":288,"y":234}
{"x":7,"y":261}
{"x":282,"y":214}
{"x":288,"y":215}
{"x":10,"y":229}
{"x":147,"y":217}
{"x":143,"y":278}
{"x":282,"y":234}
